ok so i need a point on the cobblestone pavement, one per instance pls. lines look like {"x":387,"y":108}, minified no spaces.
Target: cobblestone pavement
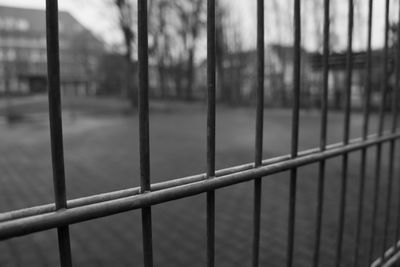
{"x":101,"y":154}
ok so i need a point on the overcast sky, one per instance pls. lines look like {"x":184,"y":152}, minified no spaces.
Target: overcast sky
{"x":89,"y":12}
{"x":95,"y":15}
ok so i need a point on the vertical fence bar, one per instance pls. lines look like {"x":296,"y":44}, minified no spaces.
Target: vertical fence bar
{"x":394,"y":125}
{"x":324,"y":119}
{"x":379,"y":148}
{"x":56,"y":133}
{"x":346,"y":133}
{"x":144,"y":138}
{"x":259,"y":131}
{"x":366,"y":108}
{"x":211,"y":50}
{"x":295,"y":131}
{"x":375,"y":201}
{"x":392,"y":143}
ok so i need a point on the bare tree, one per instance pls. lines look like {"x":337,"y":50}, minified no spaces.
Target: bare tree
{"x":162,"y":42}
{"x":162,"y":32}
{"x":229,"y":48}
{"x":278,"y":79}
{"x":235,"y":77}
{"x":221,"y":47}
{"x":192,"y":20}
{"x":169,"y":21}
{"x":126,"y":24}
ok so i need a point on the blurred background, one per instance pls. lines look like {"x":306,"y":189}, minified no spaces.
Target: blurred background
{"x":98,"y":56}
{"x":98,"y":42}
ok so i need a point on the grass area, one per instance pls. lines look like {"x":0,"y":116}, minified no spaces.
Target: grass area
{"x":101,"y":154}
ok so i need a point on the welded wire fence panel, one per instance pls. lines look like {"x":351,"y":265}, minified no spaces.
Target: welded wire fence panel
{"x":63,"y":213}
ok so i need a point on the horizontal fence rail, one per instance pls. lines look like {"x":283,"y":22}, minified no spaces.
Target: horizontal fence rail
{"x":48,"y":220}
{"x":62,"y":213}
{"x":154,"y":187}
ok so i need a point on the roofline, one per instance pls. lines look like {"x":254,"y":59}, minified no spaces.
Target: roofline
{"x":65,"y":12}
{"x":32,"y":8}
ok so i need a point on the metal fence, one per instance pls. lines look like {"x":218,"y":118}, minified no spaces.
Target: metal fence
{"x":63,"y":213}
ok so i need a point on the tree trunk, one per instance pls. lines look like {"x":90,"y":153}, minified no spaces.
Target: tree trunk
{"x":190,"y":76}
{"x":131,"y":89}
{"x":161,"y":74}
{"x":224,"y":91}
{"x":178,"y":80}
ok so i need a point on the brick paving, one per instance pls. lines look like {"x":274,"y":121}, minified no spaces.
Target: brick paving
{"x":101,"y":154}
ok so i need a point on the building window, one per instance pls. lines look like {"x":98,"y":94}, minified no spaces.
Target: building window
{"x":35,"y":56}
{"x":13,"y":24}
{"x":10,"y":54}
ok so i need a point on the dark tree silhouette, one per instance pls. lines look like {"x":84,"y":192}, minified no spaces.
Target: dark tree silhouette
{"x":126,"y":24}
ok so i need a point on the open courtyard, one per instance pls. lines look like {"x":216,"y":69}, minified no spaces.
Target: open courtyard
{"x":101,"y":154}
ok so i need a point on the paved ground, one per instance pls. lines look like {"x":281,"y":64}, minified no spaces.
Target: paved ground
{"x":101,"y":154}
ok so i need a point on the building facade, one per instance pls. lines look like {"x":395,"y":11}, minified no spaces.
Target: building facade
{"x":23,"y":59}
{"x":238,"y":82}
{"x":337,"y":77}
